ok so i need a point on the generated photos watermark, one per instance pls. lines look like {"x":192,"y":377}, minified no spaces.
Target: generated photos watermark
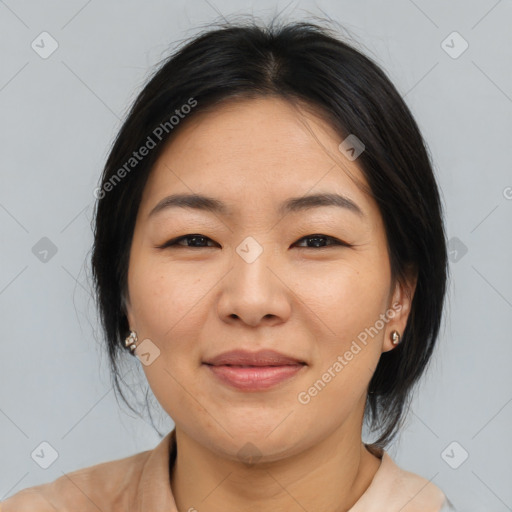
{"x":304,"y":397}
{"x":150,"y":143}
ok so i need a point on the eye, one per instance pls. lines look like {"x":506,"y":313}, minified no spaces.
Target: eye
{"x":194,"y":238}
{"x":199,"y":241}
{"x":317,"y":239}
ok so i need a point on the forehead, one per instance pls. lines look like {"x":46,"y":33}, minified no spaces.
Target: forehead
{"x":252,"y":152}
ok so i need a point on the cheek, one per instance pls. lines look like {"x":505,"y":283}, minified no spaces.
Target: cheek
{"x":349,"y":305}
{"x":349,"y":342}
{"x":346,"y":298}
{"x":166,"y":299}
{"x":167,"y":305}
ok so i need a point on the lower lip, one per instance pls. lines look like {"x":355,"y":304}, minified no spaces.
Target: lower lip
{"x":255,"y":378}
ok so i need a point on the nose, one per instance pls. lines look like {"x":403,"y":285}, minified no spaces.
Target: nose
{"x":255,"y":291}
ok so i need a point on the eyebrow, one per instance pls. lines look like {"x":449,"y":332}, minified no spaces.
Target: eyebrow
{"x":294,"y":204}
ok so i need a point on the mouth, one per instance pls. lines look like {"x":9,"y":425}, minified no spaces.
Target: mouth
{"x":246,"y":358}
{"x":255,"y":371}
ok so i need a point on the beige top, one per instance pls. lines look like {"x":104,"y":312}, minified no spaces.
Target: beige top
{"x":141,"y":483}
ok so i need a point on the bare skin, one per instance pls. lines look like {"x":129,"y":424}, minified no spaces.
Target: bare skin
{"x":200,"y":298}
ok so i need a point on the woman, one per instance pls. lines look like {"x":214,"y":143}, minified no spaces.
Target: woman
{"x":269,"y":243}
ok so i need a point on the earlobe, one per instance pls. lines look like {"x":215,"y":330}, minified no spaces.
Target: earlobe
{"x":393,"y":341}
{"x":131,"y":341}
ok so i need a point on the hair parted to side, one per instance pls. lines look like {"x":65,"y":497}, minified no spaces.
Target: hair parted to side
{"x":302,"y":63}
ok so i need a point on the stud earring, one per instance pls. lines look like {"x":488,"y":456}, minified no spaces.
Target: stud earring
{"x":131,"y":341}
{"x":395,"y":337}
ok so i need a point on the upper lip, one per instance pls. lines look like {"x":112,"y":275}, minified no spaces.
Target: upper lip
{"x":246,"y":358}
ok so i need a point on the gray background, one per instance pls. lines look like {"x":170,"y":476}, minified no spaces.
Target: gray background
{"x":59,"y":115}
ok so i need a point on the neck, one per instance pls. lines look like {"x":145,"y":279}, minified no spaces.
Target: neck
{"x":329,"y":476}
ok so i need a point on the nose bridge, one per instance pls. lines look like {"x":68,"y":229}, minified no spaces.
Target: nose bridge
{"x":252,"y":262}
{"x":252,"y":290}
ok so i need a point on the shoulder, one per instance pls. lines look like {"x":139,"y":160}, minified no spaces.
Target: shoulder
{"x":87,"y":489}
{"x":394,"y":488}
{"x":414,"y":492}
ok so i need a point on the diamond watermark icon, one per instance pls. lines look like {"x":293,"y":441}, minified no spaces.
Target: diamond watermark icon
{"x":44,"y":250}
{"x":249,"y":250}
{"x":454,"y":455}
{"x":147,"y":352}
{"x":44,"y":45}
{"x":249,"y":454}
{"x":44,"y":455}
{"x":454,"y":45}
{"x":351,"y":147}
{"x":457,"y":249}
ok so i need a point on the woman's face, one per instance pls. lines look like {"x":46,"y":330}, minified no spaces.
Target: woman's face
{"x":252,"y":280}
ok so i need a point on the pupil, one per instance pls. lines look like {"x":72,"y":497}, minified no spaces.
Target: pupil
{"x":316,"y":238}
{"x":192,"y":238}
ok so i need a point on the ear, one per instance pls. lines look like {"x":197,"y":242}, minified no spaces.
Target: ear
{"x":399,"y":307}
{"x":125,"y":302}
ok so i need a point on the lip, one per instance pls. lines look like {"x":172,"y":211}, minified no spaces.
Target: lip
{"x":246,"y":358}
{"x":253,"y":371}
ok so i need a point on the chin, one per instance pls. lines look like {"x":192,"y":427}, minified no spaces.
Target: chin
{"x":250,"y":441}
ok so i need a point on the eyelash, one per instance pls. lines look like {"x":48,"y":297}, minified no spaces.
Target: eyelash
{"x":174,"y":241}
